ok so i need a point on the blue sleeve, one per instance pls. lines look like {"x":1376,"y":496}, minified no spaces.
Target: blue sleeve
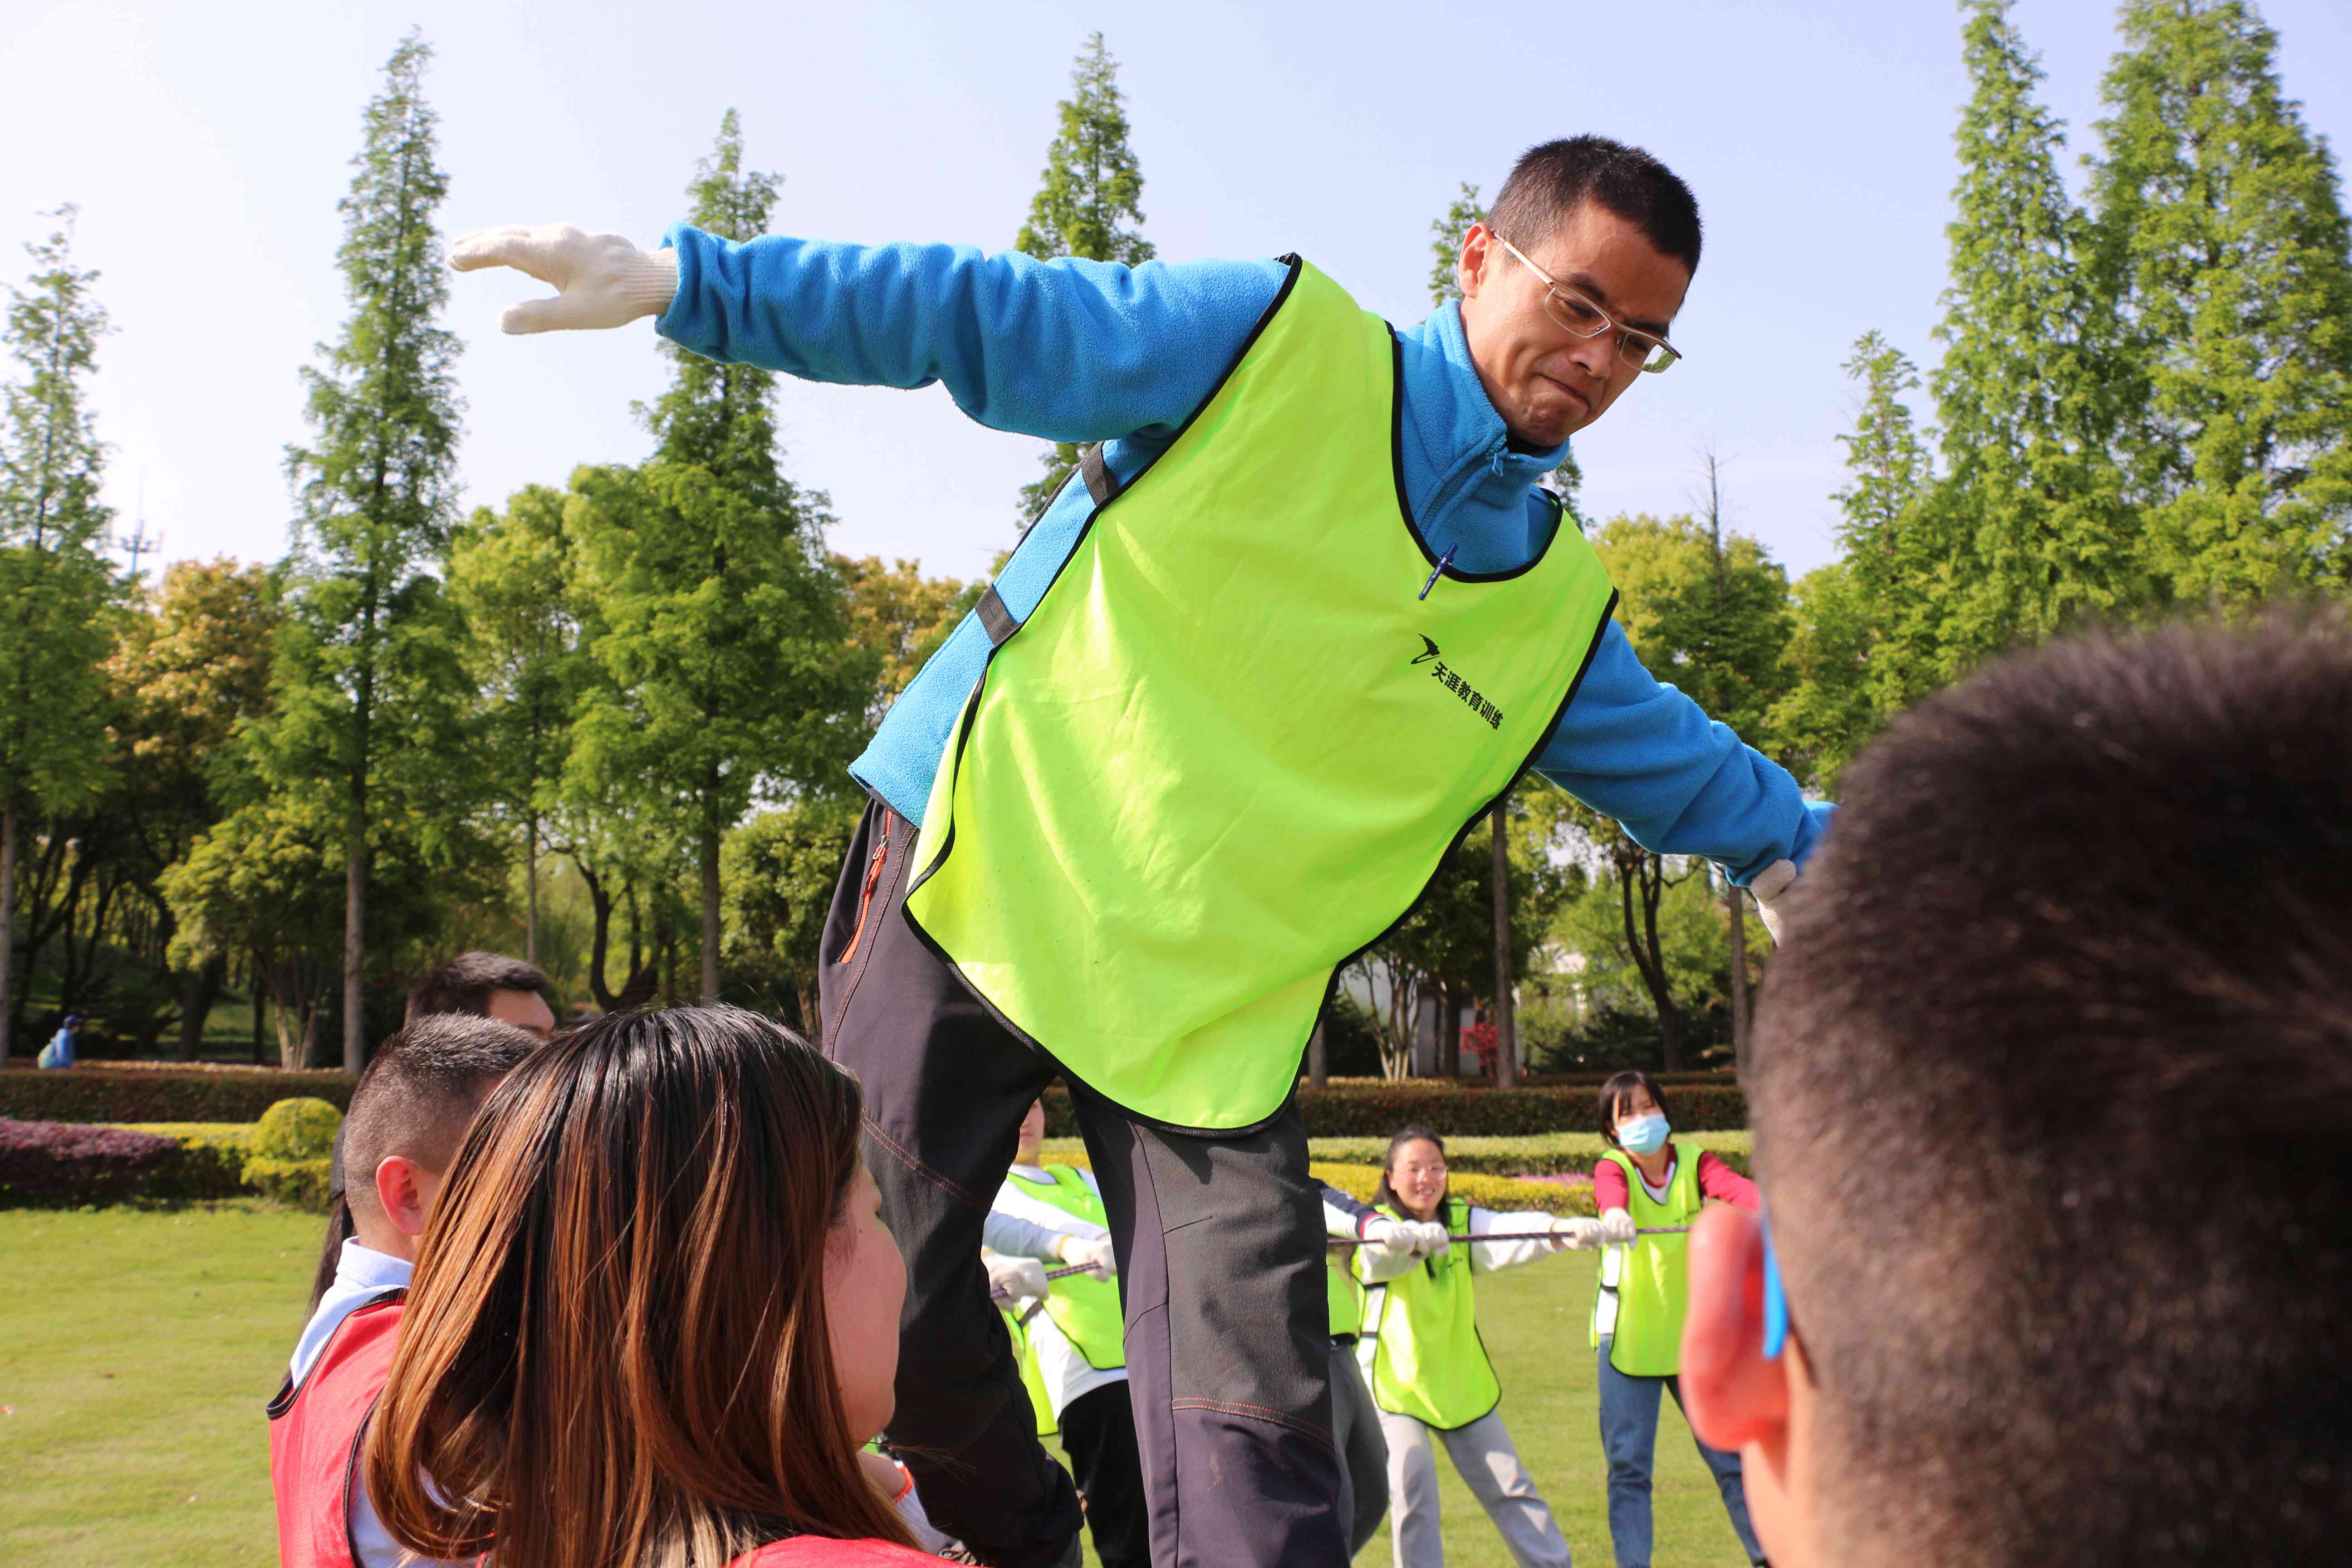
{"x":1639,"y":751}
{"x":1065,"y":349}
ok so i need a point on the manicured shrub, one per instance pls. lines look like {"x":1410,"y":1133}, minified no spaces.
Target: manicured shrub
{"x":1360,"y":1181}
{"x":298,"y":1184}
{"x":119,"y":1093}
{"x":212,"y":1157}
{"x":1362,"y":1107}
{"x":297,"y":1130}
{"x":1548,"y":1154}
{"x":51,"y":1162}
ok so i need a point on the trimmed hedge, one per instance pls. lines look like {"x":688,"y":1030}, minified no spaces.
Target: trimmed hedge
{"x":1360,"y":1181}
{"x":65,"y":1163}
{"x":298,"y":1184}
{"x":300,"y":1129}
{"x":212,"y":1157}
{"x":115,"y":1093}
{"x":1550,"y":1154}
{"x":1360,"y":1108}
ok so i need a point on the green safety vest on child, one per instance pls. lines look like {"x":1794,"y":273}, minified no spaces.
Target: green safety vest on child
{"x":1649,"y":1279}
{"x":1032,"y":1376}
{"x":1234,"y":742}
{"x":1428,"y":1361}
{"x":1085,"y":1308}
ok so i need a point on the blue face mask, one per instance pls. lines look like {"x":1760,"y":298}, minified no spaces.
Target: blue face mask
{"x":1644,"y":1134}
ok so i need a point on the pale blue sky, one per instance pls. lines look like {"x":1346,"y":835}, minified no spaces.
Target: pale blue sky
{"x":207,"y":145}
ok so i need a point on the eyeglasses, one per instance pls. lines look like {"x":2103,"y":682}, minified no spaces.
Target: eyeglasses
{"x":1580,"y":315}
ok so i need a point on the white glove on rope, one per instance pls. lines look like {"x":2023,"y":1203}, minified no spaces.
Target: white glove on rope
{"x":1429,"y":1237}
{"x":1767,"y":885}
{"x":1022,"y":1278}
{"x":1094,"y":1251}
{"x":1617,"y":1229}
{"x":602,"y":279}
{"x":1387,"y":1240}
{"x":1580,"y":1234}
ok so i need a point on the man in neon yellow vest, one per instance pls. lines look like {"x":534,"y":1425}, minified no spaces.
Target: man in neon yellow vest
{"x":1300,"y":617}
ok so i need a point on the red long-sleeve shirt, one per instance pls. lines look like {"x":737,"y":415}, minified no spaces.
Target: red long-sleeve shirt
{"x":1715,"y":1179}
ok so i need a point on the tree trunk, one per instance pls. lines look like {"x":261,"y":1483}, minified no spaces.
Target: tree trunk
{"x":260,"y":1022}
{"x":7,"y":918}
{"x":1318,"y":1057}
{"x":1736,"y":902}
{"x":530,"y":890}
{"x":709,"y":916}
{"x":1507,"y":1040}
{"x":355,"y":872}
{"x":197,"y":994}
{"x":1450,"y":1031}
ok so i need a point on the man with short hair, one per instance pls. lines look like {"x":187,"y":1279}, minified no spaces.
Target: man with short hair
{"x":488,"y":986}
{"x":2052,"y":1105}
{"x":407,"y":1118}
{"x":1301,"y":617}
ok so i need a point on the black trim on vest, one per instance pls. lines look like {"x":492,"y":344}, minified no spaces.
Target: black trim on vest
{"x":1404,"y":506}
{"x":1091,"y":467}
{"x":994,"y":618}
{"x":288,"y":1391}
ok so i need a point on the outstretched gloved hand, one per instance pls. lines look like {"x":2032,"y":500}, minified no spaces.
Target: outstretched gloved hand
{"x":1767,"y":885}
{"x":1578,"y":1233}
{"x":1387,"y":1240}
{"x":1094,"y":1251}
{"x":1429,"y":1237}
{"x":602,"y":279}
{"x":1617,"y":1228}
{"x":1022,"y":1278}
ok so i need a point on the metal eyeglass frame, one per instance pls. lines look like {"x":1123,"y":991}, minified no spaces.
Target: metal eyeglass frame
{"x":1608,"y":324}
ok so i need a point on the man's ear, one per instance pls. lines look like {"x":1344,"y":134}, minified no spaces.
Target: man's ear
{"x":1478,"y":252}
{"x":405,"y":1188}
{"x":1732,"y":1394}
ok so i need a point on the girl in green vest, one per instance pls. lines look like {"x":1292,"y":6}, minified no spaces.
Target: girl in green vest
{"x":1643,"y":1183}
{"x":1428,"y":1368}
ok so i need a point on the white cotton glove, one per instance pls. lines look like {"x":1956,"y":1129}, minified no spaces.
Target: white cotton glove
{"x":1022,"y":1278}
{"x":1617,"y":1229}
{"x":1094,"y":1251}
{"x":1387,"y":1241}
{"x":1768,"y":885}
{"x":1577,"y":1232}
{"x":602,"y":279}
{"x":1429,"y":1237}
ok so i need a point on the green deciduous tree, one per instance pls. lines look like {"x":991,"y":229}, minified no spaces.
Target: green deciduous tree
{"x":1448,"y":234}
{"x":902,"y":617}
{"x":2221,"y":224}
{"x":55,"y":589}
{"x":2031,"y":510}
{"x":370,"y":681}
{"x":511,"y":578}
{"x":725,"y":672}
{"x":781,"y":867}
{"x":1088,"y":205}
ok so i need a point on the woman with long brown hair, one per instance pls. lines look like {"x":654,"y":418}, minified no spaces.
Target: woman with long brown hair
{"x":654,"y":1316}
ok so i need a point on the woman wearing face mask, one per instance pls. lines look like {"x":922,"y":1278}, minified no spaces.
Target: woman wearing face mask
{"x":1643,"y":1183}
{"x":654,"y":1316}
{"x":1428,"y":1368}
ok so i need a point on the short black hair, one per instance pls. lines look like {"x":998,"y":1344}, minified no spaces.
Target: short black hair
{"x":464,"y":984}
{"x":1620,"y":1088}
{"x":1550,"y":182}
{"x":415,"y":1098}
{"x":2052,"y":1098}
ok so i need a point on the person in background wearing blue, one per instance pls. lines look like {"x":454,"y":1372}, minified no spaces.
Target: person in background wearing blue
{"x":1318,"y":615}
{"x":59,"y":1051}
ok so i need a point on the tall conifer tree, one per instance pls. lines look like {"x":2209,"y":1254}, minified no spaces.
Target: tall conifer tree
{"x":365,"y":723}
{"x":1900,"y":565}
{"x":1088,"y":205}
{"x":55,"y":584}
{"x":2031,"y":505}
{"x":724,"y":668}
{"x":2221,"y":220}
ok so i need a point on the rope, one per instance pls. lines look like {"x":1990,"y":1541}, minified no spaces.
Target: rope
{"x":1522,"y":1235}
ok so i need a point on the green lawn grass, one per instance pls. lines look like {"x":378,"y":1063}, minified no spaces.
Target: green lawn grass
{"x":137,"y":1347}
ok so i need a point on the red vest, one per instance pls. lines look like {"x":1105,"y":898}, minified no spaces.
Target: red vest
{"x":314,"y":1435}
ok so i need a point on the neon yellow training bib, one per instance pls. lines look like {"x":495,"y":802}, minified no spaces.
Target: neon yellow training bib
{"x":1651,"y":1276}
{"x":1428,"y":1361}
{"x":1233,"y":742}
{"x":1085,"y":1308}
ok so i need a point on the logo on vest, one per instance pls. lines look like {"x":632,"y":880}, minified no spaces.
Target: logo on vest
{"x":1452,"y":680}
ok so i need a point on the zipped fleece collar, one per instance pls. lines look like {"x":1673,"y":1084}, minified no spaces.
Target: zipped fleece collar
{"x":1468,"y":485}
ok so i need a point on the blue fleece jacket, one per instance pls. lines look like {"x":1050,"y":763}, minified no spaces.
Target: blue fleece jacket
{"x":1086,"y":351}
